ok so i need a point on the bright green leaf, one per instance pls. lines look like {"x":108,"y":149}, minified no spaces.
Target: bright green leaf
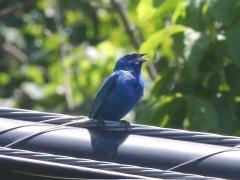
{"x":162,"y":38}
{"x":166,"y":7}
{"x":4,"y":79}
{"x":34,"y":73}
{"x":180,"y":11}
{"x":145,"y":10}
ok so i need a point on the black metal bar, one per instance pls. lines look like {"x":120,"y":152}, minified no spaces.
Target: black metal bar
{"x":123,"y":168}
{"x":208,"y":138}
{"x":124,"y":148}
{"x":44,"y":169}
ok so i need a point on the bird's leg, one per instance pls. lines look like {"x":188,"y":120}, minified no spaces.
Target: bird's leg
{"x":126,"y":123}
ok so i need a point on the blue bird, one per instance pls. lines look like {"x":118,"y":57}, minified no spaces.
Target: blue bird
{"x":121,"y":91}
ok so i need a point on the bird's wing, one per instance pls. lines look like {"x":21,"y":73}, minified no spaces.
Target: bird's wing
{"x":104,"y":91}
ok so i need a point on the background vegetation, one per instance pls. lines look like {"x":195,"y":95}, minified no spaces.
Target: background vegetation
{"x":55,"y":54}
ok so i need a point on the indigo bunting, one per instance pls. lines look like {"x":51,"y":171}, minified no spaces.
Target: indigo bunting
{"x":121,"y":91}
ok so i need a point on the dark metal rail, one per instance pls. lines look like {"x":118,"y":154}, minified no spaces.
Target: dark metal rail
{"x":169,"y":133}
{"x":138,"y":145}
{"x":49,"y":169}
{"x":119,"y":147}
{"x":141,"y":172}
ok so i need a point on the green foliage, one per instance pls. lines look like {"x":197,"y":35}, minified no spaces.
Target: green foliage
{"x":55,"y":54}
{"x":198,"y":67}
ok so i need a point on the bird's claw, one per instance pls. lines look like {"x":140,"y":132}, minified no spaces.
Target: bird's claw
{"x":101,"y":124}
{"x":125,"y":123}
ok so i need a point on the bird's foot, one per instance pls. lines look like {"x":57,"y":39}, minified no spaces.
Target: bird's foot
{"x":125,"y":123}
{"x":101,"y":124}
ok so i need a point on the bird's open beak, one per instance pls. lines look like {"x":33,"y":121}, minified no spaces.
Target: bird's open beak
{"x":142,"y":54}
{"x":142,"y":60}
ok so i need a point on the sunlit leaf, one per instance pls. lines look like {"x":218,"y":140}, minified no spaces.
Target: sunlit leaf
{"x":72,"y":46}
{"x":166,"y":7}
{"x":162,"y":38}
{"x":180,"y":11}
{"x":4,"y":78}
{"x":34,"y":73}
{"x":145,"y":10}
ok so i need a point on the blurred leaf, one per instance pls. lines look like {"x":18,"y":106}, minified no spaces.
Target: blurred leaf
{"x":145,"y":10}
{"x":202,"y":115}
{"x":196,"y":45}
{"x":233,"y":41}
{"x":227,"y":111}
{"x":176,"y":112}
{"x":194,"y":15}
{"x":72,"y":46}
{"x":54,"y":40}
{"x":34,"y":73}
{"x":33,"y":91}
{"x":13,"y":36}
{"x":162,"y":38}
{"x":73,"y":17}
{"x":166,"y":7}
{"x":165,"y":111}
{"x":34,"y":29}
{"x":4,"y":78}
{"x":180,"y":11}
{"x":107,"y":47}
{"x":164,"y":84}
{"x":222,"y":10}
{"x":212,"y":82}
{"x":232,"y":73}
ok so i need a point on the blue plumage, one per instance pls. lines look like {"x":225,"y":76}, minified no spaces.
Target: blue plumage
{"x":121,"y":91}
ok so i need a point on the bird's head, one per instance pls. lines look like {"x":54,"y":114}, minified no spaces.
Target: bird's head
{"x":130,"y":62}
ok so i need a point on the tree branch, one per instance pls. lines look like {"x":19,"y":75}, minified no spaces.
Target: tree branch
{"x":129,"y":27}
{"x":14,"y":51}
{"x":15,"y":7}
{"x":66,"y":70}
{"x":132,"y":33}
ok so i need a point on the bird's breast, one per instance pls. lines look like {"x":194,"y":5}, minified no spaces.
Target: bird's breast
{"x":127,"y":91}
{"x":129,"y":86}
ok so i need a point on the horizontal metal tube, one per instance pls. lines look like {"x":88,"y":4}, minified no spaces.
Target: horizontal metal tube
{"x":128,"y":149}
{"x":40,"y":168}
{"x":169,"y":133}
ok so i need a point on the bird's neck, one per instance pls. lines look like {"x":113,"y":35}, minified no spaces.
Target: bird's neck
{"x":135,"y":72}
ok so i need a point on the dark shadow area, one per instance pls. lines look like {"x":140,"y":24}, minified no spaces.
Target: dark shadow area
{"x":105,"y":144}
{"x":18,"y":176}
